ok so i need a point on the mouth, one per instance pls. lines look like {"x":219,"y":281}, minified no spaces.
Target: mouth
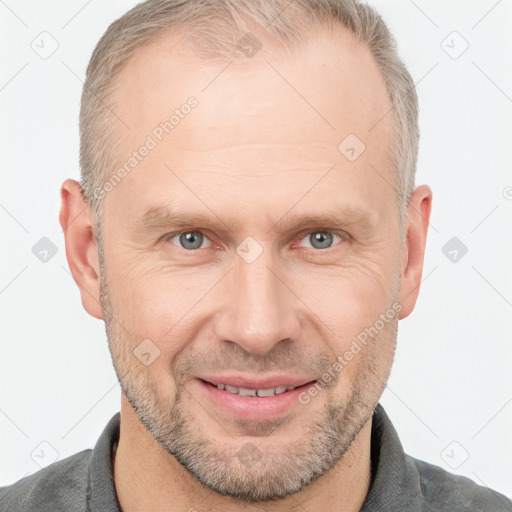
{"x":255,"y":392}
{"x":253,"y":400}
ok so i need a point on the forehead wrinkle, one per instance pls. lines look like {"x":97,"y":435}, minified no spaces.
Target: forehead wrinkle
{"x":256,"y":174}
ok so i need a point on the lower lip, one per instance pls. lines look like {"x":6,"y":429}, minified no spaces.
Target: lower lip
{"x":253,"y":408}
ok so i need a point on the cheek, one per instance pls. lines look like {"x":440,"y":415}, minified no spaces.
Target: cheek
{"x":355,"y":308}
{"x":347,"y":298}
{"x":157,"y":304}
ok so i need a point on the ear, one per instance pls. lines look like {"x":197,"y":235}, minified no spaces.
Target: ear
{"x":413,"y":250}
{"x":76,"y":220}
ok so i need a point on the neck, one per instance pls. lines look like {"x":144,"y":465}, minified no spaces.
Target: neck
{"x":148,"y":478}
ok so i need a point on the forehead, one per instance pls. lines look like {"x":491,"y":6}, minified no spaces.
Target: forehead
{"x":332,"y":76}
{"x":262,"y":118}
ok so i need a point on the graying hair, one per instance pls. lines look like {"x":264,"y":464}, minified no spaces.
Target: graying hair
{"x":212,"y":28}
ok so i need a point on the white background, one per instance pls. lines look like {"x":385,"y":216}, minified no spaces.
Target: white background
{"x":450,"y":392}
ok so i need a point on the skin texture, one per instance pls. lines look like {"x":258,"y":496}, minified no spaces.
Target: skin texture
{"x":252,"y":154}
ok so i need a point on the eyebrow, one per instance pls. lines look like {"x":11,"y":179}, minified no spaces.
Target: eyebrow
{"x":342,"y":215}
{"x":162,"y":217}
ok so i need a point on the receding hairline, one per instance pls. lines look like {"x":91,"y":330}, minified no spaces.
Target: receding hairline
{"x":185,"y":43}
{"x":173,"y":39}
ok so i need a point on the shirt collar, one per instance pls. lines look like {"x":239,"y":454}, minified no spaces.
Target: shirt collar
{"x":395,"y":479}
{"x":101,"y":490}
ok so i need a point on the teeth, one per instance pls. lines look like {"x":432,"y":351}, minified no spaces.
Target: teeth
{"x":246,"y":392}
{"x":266,"y":392}
{"x":255,"y":392}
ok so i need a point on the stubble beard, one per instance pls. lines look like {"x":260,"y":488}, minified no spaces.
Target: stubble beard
{"x":264,"y":469}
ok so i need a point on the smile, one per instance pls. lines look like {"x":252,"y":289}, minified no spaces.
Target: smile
{"x":255,"y":392}
{"x":253,"y":400}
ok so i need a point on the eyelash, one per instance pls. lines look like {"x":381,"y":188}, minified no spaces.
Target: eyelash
{"x":341,"y":235}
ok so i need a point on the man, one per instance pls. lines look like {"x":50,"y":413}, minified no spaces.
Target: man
{"x":248,"y":228}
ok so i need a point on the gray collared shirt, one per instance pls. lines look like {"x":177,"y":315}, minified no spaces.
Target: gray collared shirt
{"x":85,"y":482}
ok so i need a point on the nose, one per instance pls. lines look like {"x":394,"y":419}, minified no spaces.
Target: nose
{"x":258,"y":310}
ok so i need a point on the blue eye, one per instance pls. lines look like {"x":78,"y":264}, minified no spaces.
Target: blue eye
{"x":193,"y":240}
{"x":189,"y":240}
{"x":321,"y":239}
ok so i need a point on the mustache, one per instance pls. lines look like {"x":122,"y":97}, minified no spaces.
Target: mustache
{"x":283,"y":358}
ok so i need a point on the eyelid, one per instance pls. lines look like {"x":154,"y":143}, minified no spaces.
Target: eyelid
{"x":341,"y":234}
{"x":169,"y":236}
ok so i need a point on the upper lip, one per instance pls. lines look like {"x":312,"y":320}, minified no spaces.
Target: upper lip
{"x":241,"y":381}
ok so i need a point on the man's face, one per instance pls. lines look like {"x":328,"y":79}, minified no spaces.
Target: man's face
{"x":252,"y":291}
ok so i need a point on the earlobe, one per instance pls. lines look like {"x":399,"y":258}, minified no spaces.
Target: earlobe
{"x":418,"y":217}
{"x":81,"y":248}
